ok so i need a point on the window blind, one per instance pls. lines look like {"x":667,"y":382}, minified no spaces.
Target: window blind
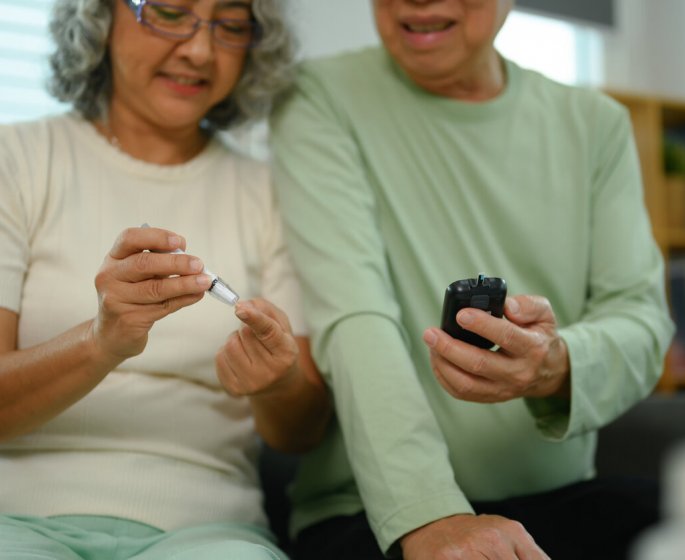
{"x":588,"y":11}
{"x":24,"y":47}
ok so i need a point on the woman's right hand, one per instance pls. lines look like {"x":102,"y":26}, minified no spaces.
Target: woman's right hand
{"x":137,"y":285}
{"x":141,"y":281}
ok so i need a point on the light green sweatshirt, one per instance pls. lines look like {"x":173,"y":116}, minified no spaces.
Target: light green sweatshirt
{"x":390,"y":193}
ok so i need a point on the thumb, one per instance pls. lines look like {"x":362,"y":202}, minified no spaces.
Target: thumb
{"x":525,"y":309}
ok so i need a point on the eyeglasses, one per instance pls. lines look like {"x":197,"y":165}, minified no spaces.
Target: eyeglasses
{"x":235,"y":29}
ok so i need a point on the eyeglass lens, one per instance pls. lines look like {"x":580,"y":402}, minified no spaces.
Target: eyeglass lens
{"x":232,"y":24}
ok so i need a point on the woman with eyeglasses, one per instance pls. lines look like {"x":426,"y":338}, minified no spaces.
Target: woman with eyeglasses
{"x":129,"y":403}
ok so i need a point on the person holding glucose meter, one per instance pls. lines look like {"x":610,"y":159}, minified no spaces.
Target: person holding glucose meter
{"x":427,"y":160}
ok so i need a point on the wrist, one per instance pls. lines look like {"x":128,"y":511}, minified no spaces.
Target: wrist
{"x":290,"y":385}
{"x":558,"y":368}
{"x":95,"y":351}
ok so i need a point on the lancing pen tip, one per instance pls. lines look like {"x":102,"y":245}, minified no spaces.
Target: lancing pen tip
{"x":220,"y":290}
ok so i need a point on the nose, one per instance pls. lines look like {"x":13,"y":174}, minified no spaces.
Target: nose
{"x":199,"y":48}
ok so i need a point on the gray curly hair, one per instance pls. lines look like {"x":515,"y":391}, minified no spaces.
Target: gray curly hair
{"x":81,"y":70}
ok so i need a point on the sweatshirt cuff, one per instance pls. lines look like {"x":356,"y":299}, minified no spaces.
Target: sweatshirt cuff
{"x":405,"y":520}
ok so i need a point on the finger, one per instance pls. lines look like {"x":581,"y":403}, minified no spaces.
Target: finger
{"x":232,"y":352}
{"x":524,"y":310}
{"x":531,"y":551}
{"x":156,"y":290}
{"x":273,"y":311}
{"x":136,"y":240}
{"x":465,"y":386}
{"x":160,"y":309}
{"x":457,"y":355}
{"x":141,"y":266}
{"x":266,"y":329}
{"x":503,"y":333}
{"x":465,"y":356}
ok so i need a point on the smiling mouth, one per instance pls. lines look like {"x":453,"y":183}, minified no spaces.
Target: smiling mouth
{"x":186,"y":81}
{"x":426,"y":28}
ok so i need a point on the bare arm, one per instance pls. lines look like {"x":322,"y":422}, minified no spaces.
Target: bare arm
{"x":264,"y":361}
{"x":40,"y":382}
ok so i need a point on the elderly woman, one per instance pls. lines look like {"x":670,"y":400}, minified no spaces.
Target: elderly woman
{"x":117,"y":438}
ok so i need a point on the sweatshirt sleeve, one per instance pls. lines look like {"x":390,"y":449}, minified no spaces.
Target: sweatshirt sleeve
{"x":397,"y":452}
{"x":617,"y":349}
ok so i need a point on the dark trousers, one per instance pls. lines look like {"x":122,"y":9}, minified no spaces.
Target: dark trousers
{"x":592,"y":520}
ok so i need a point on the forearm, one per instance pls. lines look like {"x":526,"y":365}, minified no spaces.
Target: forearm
{"x":616,"y":356}
{"x":397,"y":451}
{"x":38,"y":383}
{"x":293,"y":422}
{"x":293,"y":418}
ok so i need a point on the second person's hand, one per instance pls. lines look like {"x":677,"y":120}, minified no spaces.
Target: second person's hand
{"x":471,"y":537}
{"x":532,"y":359}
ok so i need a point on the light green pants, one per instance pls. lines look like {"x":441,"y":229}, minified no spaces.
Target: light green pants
{"x":109,"y":538}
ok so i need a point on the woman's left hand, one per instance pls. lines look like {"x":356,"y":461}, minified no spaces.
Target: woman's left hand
{"x":260,"y":357}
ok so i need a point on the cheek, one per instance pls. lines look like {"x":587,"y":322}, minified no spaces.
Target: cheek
{"x":384,"y":22}
{"x":481,"y":28}
{"x":230,"y":73}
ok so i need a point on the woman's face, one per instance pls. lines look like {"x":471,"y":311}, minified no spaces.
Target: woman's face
{"x":168,"y":83}
{"x":432,"y":40}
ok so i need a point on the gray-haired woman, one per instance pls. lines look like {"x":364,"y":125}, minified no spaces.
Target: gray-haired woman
{"x":117,"y":439}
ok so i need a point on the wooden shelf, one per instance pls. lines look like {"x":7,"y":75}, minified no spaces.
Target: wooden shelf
{"x":664,"y":195}
{"x":676,"y":239}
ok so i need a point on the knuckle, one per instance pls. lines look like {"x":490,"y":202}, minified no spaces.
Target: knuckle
{"x":541,"y":305}
{"x":479,"y":364}
{"x":244,"y":334}
{"x":129,"y":232}
{"x":508,"y":335}
{"x":538,"y":347}
{"x":461,"y":387}
{"x":289,"y":357}
{"x":141,"y":262}
{"x":106,"y":303}
{"x":181,"y":261}
{"x":101,"y":279}
{"x":232,"y":347}
{"x":515,"y":528}
{"x":155,"y":290}
{"x":491,"y":534}
{"x":122,"y":237}
{"x":269,"y":333}
{"x":543,"y":302}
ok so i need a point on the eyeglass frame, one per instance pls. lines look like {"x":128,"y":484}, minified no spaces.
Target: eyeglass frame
{"x":138,"y":5}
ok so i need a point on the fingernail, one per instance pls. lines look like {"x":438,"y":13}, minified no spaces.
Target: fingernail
{"x":240,"y":311}
{"x":174,"y":241}
{"x":196,"y":265}
{"x":465,"y":318}
{"x":430,"y":338}
{"x":203,"y":280}
{"x":513,"y":306}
